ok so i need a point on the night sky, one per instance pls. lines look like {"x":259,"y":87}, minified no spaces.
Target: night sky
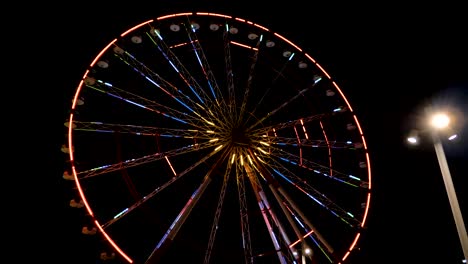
{"x":390,"y":60}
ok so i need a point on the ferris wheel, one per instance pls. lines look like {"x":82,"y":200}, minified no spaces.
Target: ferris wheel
{"x":210,"y":138}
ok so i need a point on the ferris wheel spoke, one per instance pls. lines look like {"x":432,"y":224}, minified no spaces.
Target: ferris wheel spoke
{"x":214,"y":225}
{"x":250,"y":77}
{"x":286,"y":103}
{"x":165,"y":86}
{"x":139,"y":101}
{"x":309,"y":232}
{"x":278,"y":74}
{"x":187,"y":77}
{"x":273,"y":129}
{"x":147,"y":197}
{"x":229,"y":74}
{"x":138,"y":130}
{"x":174,"y":228}
{"x":204,"y":64}
{"x":220,"y":106}
{"x":315,"y":143}
{"x":178,"y":66}
{"x":243,"y":213}
{"x":295,"y":215}
{"x":320,"y":198}
{"x":319,"y":169}
{"x":286,"y":203}
{"x":146,"y":159}
{"x":269,"y":218}
{"x":290,"y":220}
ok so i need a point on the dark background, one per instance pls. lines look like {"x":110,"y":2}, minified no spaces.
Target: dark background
{"x":390,"y":59}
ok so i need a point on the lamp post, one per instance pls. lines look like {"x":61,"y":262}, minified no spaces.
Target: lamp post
{"x":440,"y":121}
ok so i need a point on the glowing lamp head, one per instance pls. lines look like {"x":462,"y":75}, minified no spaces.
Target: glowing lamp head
{"x":440,"y":121}
{"x":412,"y":140}
{"x":413,"y":137}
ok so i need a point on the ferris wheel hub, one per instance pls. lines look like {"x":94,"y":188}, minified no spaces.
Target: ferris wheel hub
{"x":239,"y":136}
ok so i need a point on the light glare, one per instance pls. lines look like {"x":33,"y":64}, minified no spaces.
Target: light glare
{"x":440,"y":121}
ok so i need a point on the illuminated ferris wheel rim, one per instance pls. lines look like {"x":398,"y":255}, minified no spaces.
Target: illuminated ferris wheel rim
{"x":76,"y":102}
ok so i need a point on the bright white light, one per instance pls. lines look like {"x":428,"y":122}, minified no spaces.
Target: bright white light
{"x":308,"y":251}
{"x":412,"y":140}
{"x":452,"y":137}
{"x":440,"y":120}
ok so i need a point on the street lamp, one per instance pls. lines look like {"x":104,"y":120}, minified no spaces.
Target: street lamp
{"x":438,"y":122}
{"x":441,"y":121}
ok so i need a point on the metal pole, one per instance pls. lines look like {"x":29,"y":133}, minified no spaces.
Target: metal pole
{"x":451,"y":194}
